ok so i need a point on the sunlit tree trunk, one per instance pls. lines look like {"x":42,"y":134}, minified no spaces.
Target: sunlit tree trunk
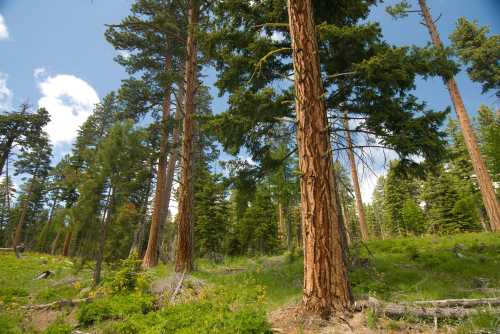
{"x":483,"y":177}
{"x":151,"y":255}
{"x":184,"y":252}
{"x":363,"y":227}
{"x":67,"y":241}
{"x":102,"y":238}
{"x":326,"y":285}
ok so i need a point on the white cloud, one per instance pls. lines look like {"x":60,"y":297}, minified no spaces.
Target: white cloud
{"x":5,"y":92}
{"x":4,"y":32}
{"x":69,"y":100}
{"x":40,"y":72}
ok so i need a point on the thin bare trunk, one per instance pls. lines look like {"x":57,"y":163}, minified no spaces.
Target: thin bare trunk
{"x":326,"y":286}
{"x":102,"y":238}
{"x":363,"y":227}
{"x":184,"y":255}
{"x":483,"y":177}
{"x":54,"y":243}
{"x":151,"y":255}
{"x":67,"y":241}
{"x":346,"y":221}
{"x":22,"y":217}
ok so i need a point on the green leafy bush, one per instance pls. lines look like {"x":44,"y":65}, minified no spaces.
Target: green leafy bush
{"x":218,"y":311}
{"x":115,"y":307}
{"x":130,"y":277}
{"x":59,"y":327}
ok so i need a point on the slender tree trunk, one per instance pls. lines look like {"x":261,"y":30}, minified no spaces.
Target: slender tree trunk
{"x":54,"y":243}
{"x":346,"y":221}
{"x":363,"y":227}
{"x":138,"y":240}
{"x":326,"y":285}
{"x":483,"y":177}
{"x":102,"y":238}
{"x":184,"y":255}
{"x":151,"y":255}
{"x":22,"y":217}
{"x":173,"y":158}
{"x":67,"y":241}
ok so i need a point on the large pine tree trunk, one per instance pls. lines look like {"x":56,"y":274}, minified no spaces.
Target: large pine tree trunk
{"x":184,"y":254}
{"x":483,"y":177}
{"x":363,"y":227}
{"x":151,"y":255}
{"x":326,"y":285}
{"x":54,"y":242}
{"x":22,"y":217}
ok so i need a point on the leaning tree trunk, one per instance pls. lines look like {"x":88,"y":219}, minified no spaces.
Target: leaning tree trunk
{"x":22,"y":217}
{"x":184,"y":254}
{"x":326,"y":285}
{"x":363,"y":227}
{"x":151,"y":255}
{"x":483,"y":177}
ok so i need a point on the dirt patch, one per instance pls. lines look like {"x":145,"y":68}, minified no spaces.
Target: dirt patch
{"x":292,"y":320}
{"x":42,"y":319}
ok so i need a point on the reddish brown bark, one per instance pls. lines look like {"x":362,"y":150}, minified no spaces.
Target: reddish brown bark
{"x":184,"y":252}
{"x":483,"y":177}
{"x":151,"y":255}
{"x":326,"y":286}
{"x":363,"y":227}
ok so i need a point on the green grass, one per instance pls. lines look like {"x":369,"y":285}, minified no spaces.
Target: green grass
{"x":429,"y":268}
{"x":239,"y":291}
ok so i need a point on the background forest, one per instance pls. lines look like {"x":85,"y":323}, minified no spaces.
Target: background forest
{"x":157,"y":176}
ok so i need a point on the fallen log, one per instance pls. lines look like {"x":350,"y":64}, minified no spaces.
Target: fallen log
{"x":442,"y":309}
{"x":58,"y":304}
{"x":18,"y":250}
{"x":465,"y":303}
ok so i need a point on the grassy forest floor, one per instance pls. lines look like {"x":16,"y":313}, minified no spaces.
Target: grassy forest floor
{"x":250,"y":295}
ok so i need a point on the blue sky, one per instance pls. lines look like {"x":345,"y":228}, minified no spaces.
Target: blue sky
{"x":53,"y":53}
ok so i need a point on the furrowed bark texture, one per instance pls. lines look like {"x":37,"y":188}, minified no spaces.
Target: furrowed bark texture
{"x":326,"y":286}
{"x":151,"y":255}
{"x":483,"y":177}
{"x":184,"y":252}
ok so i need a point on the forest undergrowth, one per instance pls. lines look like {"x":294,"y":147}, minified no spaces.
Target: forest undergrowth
{"x":240,"y":295}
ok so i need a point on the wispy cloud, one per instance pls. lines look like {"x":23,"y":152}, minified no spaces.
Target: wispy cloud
{"x":4,"y":32}
{"x":69,"y":100}
{"x":5,"y":93}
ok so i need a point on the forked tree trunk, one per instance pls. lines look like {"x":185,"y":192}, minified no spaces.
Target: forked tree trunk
{"x":326,"y":285}
{"x":483,"y":177}
{"x":363,"y":227}
{"x":184,"y":254}
{"x":151,"y":255}
{"x":22,"y":217}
